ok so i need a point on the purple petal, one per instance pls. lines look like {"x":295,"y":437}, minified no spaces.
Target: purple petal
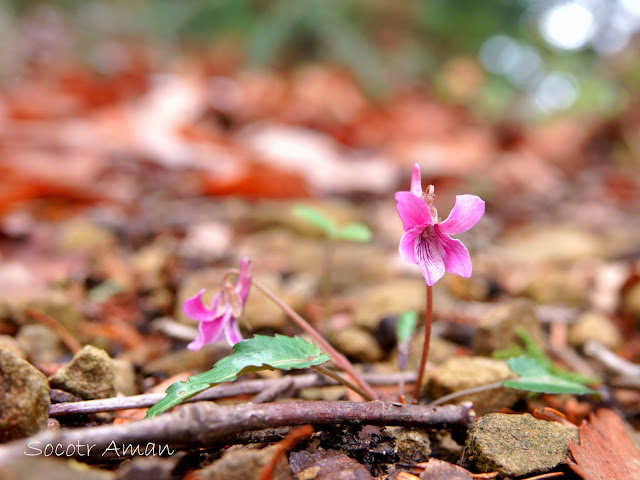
{"x":430,"y":255}
{"x":210,"y":332}
{"x":244,"y":279}
{"x":465,"y":214}
{"x":413,"y":210}
{"x":408,"y":242}
{"x":195,"y":309}
{"x":456,"y":259}
{"x":416,"y":182}
{"x":232,"y":332}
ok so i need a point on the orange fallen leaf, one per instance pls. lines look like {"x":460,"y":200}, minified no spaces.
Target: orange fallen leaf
{"x":606,"y":452}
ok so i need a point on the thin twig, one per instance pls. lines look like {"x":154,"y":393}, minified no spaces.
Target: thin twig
{"x":546,"y":476}
{"x":274,"y":391}
{"x":339,"y":359}
{"x":244,"y":387}
{"x":610,"y":360}
{"x":462,"y":393}
{"x":338,"y":378}
{"x":203,"y":424}
{"x":327,"y":280}
{"x":425,"y":346}
{"x":574,"y":361}
{"x":65,"y":335}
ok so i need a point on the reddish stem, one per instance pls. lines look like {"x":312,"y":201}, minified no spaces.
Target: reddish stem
{"x":336,"y":356}
{"x":425,"y":346}
{"x":295,"y":436}
{"x":65,"y":335}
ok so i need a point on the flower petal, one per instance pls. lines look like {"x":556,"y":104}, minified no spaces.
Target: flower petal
{"x":232,"y":332}
{"x":195,"y":309}
{"x":209,"y":332}
{"x":465,"y":214}
{"x":416,"y":181}
{"x":408,"y":242}
{"x":430,"y":255}
{"x":456,"y":258}
{"x":413,"y":210}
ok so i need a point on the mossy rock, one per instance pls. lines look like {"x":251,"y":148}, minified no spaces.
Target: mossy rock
{"x":24,"y":398}
{"x":517,"y":445}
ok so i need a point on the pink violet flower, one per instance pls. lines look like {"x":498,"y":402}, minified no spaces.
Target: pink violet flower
{"x":222,"y":317}
{"x":426,"y":241}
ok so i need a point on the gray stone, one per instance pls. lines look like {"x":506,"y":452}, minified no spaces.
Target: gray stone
{"x":358,"y":343}
{"x":411,"y":444}
{"x":246,"y":464}
{"x":594,"y":326}
{"x":38,"y":468}
{"x":84,"y":236}
{"x":517,"y":445}
{"x":371,"y":303}
{"x":24,"y":398}
{"x":90,"y":375}
{"x":533,"y":245}
{"x":462,"y":373}
{"x":440,"y":350}
{"x":262,"y":313}
{"x":125,"y":376}
{"x":144,"y":468}
{"x":41,"y":344}
{"x":9,"y":344}
{"x":497,"y":330}
{"x":553,"y":286}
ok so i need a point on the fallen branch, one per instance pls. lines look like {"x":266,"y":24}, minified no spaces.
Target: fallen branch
{"x":247,"y":387}
{"x":610,"y":360}
{"x":203,"y":424}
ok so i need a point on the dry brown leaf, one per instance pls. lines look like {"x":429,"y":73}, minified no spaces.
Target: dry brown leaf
{"x":326,"y":465}
{"x":605,"y":452}
{"x":436,"y":469}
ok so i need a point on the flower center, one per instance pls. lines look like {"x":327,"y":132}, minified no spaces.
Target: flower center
{"x":429,"y":233}
{"x":430,"y":198}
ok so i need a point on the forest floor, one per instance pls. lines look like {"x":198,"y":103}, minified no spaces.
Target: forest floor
{"x":122,"y":197}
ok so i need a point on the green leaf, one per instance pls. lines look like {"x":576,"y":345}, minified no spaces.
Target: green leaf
{"x":406,"y":326}
{"x":526,"y":366}
{"x":535,"y":377}
{"x":532,"y":350}
{"x":317,"y":218}
{"x":258,"y":353}
{"x":354,"y":232}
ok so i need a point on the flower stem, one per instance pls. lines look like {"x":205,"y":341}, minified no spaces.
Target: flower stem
{"x":338,"y":378}
{"x":425,"y":346}
{"x":327,"y":282}
{"x":336,"y":356}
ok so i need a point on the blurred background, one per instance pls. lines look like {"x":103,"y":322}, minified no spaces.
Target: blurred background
{"x":145,"y":146}
{"x":502,"y":58}
{"x":125,"y":112}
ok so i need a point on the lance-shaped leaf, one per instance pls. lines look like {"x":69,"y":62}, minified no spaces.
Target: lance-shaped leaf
{"x":404,"y":329}
{"x":317,"y":218}
{"x":532,"y":350}
{"x":354,"y":232}
{"x":258,"y":353}
{"x":535,"y":377}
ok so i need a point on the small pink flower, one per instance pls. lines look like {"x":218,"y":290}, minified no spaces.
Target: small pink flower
{"x":427,"y":242}
{"x":222,"y":317}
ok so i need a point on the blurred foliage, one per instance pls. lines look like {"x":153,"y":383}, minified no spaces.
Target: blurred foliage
{"x":381,"y":43}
